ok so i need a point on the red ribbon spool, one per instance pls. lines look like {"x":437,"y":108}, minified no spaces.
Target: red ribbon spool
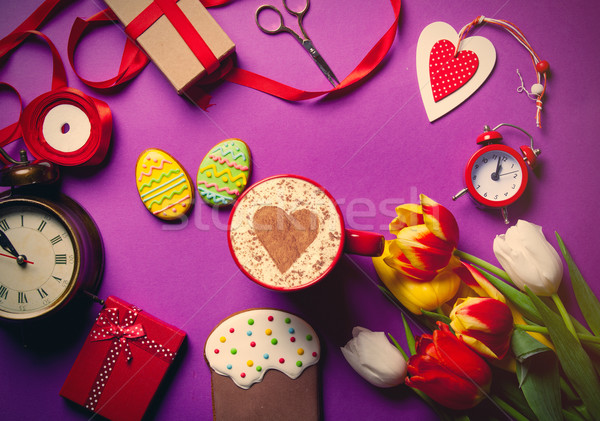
{"x":81,"y":137}
{"x":63,"y":126}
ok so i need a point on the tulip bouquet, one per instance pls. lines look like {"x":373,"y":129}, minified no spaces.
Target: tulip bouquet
{"x":502,"y":334}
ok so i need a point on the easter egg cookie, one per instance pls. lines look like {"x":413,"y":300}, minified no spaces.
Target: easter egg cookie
{"x":263,"y":366}
{"x":224,"y":172}
{"x":163,"y":185}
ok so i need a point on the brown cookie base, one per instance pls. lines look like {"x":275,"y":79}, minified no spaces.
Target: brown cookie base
{"x":276,"y":397}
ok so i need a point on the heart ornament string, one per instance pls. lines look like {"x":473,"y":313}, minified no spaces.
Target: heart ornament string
{"x":541,"y":67}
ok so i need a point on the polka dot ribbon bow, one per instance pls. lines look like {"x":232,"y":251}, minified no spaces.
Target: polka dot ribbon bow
{"x":107,"y":327}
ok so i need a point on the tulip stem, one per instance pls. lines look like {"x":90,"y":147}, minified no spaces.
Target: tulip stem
{"x":483,"y":264}
{"x":509,"y":409}
{"x":542,"y":329}
{"x":564,"y":314}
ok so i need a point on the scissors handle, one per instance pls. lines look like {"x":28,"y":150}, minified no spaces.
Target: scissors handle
{"x":282,"y":27}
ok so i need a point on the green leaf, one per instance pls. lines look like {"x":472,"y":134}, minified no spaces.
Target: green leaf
{"x":519,"y":299}
{"x":588,"y":302}
{"x":524,"y":345}
{"x":505,"y":386}
{"x":437,"y":316}
{"x":539,"y":379}
{"x":410,"y":338}
{"x":572,"y":357}
{"x":398,"y":346}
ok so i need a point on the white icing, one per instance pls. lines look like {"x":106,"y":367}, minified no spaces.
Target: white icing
{"x":242,"y":365}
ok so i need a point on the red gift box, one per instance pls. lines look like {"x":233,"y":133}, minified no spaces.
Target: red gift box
{"x":122,"y":362}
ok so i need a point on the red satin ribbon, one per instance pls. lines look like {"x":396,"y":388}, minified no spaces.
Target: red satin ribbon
{"x":133,"y":60}
{"x":31,"y":120}
{"x":227,"y":71}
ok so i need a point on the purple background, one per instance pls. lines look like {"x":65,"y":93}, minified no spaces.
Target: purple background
{"x":372,"y":148}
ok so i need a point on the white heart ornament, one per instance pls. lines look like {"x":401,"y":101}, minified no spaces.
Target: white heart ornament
{"x":475,"y":61}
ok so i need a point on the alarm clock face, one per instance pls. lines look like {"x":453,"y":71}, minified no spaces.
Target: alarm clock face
{"x":496,"y":176}
{"x":38,"y":261}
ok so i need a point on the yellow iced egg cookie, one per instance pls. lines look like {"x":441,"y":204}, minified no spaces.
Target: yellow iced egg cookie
{"x":163,"y":185}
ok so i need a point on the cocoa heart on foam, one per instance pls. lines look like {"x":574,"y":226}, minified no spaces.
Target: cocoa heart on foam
{"x":285,"y":236}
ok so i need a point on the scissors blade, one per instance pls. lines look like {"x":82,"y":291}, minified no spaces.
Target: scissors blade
{"x":308,"y":46}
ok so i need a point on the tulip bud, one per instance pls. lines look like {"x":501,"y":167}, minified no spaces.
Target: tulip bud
{"x":484,"y":324}
{"x":373,"y":357}
{"x":448,"y":371}
{"x":529,"y":259}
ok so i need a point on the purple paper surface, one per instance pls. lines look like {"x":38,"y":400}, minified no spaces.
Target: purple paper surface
{"x":372,"y":148}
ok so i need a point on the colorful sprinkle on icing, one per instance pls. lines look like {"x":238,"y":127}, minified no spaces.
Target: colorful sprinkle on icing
{"x":290,"y":358}
{"x":222,"y":339}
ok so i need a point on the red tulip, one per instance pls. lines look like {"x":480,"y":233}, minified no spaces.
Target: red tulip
{"x":448,"y":371}
{"x":484,"y":324}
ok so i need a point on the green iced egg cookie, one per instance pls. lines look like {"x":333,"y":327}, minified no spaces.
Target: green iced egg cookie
{"x":224,"y":172}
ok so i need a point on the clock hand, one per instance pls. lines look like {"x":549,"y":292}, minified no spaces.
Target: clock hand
{"x":7,"y":245}
{"x":506,"y":173}
{"x":19,"y":258}
{"x":496,"y":174}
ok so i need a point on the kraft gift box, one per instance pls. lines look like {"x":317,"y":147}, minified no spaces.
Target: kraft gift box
{"x":171,"y":33}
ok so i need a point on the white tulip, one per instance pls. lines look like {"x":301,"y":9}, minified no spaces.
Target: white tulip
{"x":373,"y":357}
{"x":529,"y":259}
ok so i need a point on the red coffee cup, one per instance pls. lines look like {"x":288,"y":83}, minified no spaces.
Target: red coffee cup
{"x":286,"y":233}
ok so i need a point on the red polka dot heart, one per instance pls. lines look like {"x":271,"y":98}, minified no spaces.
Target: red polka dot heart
{"x":448,"y":73}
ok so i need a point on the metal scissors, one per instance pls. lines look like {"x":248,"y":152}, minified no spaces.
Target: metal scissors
{"x":304,"y":41}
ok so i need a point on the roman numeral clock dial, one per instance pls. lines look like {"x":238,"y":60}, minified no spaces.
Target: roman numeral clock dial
{"x":50,"y":248}
{"x":44,"y":264}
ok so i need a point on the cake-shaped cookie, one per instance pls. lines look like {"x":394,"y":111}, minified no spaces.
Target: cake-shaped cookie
{"x":264,"y":367}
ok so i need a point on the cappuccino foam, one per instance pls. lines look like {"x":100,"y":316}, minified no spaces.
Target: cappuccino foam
{"x":291,"y":195}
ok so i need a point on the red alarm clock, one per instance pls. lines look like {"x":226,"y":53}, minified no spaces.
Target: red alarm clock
{"x":496,"y":175}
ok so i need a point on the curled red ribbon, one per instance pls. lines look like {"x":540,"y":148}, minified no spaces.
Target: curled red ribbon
{"x":91,"y":148}
{"x":131,"y":64}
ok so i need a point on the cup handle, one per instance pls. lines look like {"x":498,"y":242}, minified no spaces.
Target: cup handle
{"x":364,"y":243}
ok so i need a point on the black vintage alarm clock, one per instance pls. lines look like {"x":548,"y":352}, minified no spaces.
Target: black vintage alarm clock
{"x":51,"y":249}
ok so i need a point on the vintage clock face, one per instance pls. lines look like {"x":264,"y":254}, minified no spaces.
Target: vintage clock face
{"x":496,"y":176}
{"x":40,"y":268}
{"x":50,"y":250}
